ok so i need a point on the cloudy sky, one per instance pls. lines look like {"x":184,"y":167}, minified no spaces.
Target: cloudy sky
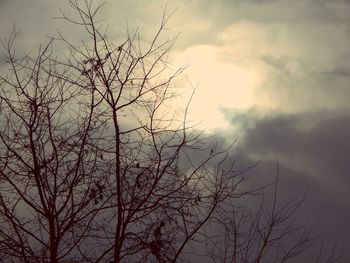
{"x":275,"y":74}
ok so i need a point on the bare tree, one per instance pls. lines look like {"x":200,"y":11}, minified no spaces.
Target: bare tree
{"x":95,"y":167}
{"x":47,"y":167}
{"x":81,"y":181}
{"x":159,"y":198}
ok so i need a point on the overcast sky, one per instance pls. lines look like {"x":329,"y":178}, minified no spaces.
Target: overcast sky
{"x":273,"y":74}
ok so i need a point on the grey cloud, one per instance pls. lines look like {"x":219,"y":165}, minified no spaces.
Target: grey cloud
{"x":296,"y":86}
{"x":305,"y":52}
{"x":312,"y":150}
{"x":341,"y":71}
{"x":289,"y":11}
{"x":277,"y":62}
{"x":323,"y":212}
{"x":341,"y":67}
{"x":318,"y":139}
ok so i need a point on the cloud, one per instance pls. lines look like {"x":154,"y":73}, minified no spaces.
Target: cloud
{"x":298,"y":110}
{"x":290,"y":44}
{"x":312,"y":150}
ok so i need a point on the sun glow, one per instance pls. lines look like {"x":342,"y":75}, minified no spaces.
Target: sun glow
{"x":220,"y":83}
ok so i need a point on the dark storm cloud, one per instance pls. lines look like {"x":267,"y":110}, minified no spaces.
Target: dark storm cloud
{"x":316,"y":143}
{"x":312,"y":150}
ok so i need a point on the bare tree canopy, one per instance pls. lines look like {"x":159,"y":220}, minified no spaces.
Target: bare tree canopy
{"x":95,"y":167}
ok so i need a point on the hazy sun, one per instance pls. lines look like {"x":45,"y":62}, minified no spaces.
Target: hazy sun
{"x":221,"y":83}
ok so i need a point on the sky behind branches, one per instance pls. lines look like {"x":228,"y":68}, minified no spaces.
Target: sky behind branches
{"x":273,"y":74}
